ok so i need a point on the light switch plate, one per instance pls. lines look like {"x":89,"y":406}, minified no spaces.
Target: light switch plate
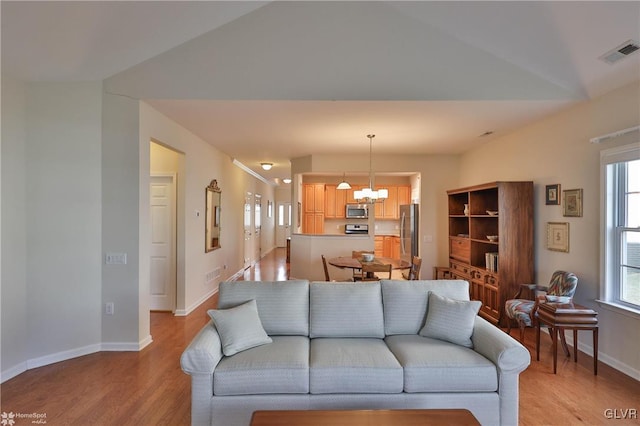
{"x":116,"y":258}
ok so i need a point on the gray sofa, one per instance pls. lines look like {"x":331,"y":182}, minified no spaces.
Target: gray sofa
{"x":352,"y":346}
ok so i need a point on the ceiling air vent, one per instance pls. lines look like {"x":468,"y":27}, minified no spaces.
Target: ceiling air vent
{"x":620,"y":52}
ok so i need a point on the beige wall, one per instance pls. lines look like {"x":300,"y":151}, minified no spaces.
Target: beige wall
{"x":438,"y":173}
{"x":202,"y":163}
{"x":557,"y":150}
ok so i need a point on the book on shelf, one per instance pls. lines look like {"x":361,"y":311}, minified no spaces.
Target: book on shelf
{"x":491,"y":260}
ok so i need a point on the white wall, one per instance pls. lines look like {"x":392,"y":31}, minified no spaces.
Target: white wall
{"x":51,"y":213}
{"x":557,"y":151}
{"x":14,"y":228}
{"x":128,"y":328}
{"x":63,"y":217}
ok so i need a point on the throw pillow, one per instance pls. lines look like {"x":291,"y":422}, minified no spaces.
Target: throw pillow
{"x":239,"y":328}
{"x":450,"y":320}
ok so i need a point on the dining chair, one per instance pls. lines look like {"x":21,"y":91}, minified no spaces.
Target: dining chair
{"x":357,"y":254}
{"x":414,"y":270}
{"x":326,"y":268}
{"x":562,"y":287}
{"x":373,"y":272}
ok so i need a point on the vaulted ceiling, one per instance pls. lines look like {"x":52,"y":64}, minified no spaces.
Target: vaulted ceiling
{"x":271,"y":81}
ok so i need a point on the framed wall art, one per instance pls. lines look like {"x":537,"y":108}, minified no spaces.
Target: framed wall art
{"x":552,"y":195}
{"x":558,"y":236}
{"x":572,"y":203}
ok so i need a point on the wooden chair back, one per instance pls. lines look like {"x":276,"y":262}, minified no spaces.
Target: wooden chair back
{"x":414,"y":271}
{"x":370,"y":271}
{"x":326,"y":268}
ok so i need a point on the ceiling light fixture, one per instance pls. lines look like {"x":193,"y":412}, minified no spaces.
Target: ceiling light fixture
{"x":344,"y":184}
{"x":286,"y":180}
{"x":369,"y":195}
{"x":266,"y":166}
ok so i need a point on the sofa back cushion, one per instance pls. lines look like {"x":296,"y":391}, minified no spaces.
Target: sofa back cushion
{"x":405,"y":302}
{"x":283,"y":306}
{"x":346,"y":310}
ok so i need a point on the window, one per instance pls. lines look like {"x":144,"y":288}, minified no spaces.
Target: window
{"x":621,"y":227}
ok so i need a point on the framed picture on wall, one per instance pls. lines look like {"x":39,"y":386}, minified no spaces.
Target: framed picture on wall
{"x":552,"y":195}
{"x":572,"y":202}
{"x":558,"y":236}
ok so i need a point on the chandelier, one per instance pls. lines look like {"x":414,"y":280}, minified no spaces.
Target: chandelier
{"x":369,"y":195}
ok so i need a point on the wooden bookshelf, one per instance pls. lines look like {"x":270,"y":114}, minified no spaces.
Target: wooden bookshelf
{"x":510,"y":219}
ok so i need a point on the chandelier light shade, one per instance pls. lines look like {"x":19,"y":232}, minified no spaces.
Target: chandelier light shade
{"x":344,"y":184}
{"x":266,"y":166}
{"x":369,"y":195}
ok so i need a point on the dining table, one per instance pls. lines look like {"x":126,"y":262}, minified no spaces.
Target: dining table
{"x":355,"y":263}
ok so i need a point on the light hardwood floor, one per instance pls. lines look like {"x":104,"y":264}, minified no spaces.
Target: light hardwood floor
{"x":148,"y":387}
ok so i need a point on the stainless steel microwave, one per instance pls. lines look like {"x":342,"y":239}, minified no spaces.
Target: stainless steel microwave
{"x":357,"y":211}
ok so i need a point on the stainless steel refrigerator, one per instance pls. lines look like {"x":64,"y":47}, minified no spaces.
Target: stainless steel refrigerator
{"x":409,"y":226}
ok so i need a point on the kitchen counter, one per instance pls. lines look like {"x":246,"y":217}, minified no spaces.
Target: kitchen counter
{"x":306,"y":252}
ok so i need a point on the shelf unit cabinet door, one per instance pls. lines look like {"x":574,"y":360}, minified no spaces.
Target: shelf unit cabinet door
{"x":460,"y":249}
{"x":491,"y":301}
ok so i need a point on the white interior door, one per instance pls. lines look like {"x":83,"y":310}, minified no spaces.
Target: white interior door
{"x":248,"y":246}
{"x":283,"y":227}
{"x":257,"y":234}
{"x":163,"y":243}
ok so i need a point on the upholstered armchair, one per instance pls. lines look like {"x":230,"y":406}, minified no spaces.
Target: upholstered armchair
{"x":561,"y":288}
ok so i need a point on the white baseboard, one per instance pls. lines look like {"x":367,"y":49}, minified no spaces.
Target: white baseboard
{"x":62,"y":356}
{"x":12,"y":372}
{"x":126,"y":346}
{"x":194,"y":306}
{"x":604,"y":358}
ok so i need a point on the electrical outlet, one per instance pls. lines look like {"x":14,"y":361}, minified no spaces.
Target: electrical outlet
{"x":108,"y":308}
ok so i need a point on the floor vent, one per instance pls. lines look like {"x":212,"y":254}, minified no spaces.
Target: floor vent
{"x":625,"y":49}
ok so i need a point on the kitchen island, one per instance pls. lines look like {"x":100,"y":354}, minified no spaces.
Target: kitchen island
{"x":306,"y":250}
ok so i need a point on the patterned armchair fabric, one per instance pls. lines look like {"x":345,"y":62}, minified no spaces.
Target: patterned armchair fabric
{"x":562,"y":284}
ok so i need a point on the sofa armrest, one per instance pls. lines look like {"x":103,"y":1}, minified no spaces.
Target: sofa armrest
{"x":203,"y":353}
{"x":500,"y":348}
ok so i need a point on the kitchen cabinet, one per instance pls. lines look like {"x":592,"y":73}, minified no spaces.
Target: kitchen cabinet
{"x":387,"y":246}
{"x":378,"y":244}
{"x":494,"y":269}
{"x":335,"y":201}
{"x":390,"y":207}
{"x":350,"y":193}
{"x":314,"y":204}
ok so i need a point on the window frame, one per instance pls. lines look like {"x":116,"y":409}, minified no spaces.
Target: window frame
{"x":612,"y":211}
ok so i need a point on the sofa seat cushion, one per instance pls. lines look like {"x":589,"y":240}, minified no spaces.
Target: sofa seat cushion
{"x":279,"y":367}
{"x":432,"y":365}
{"x":353,"y":365}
